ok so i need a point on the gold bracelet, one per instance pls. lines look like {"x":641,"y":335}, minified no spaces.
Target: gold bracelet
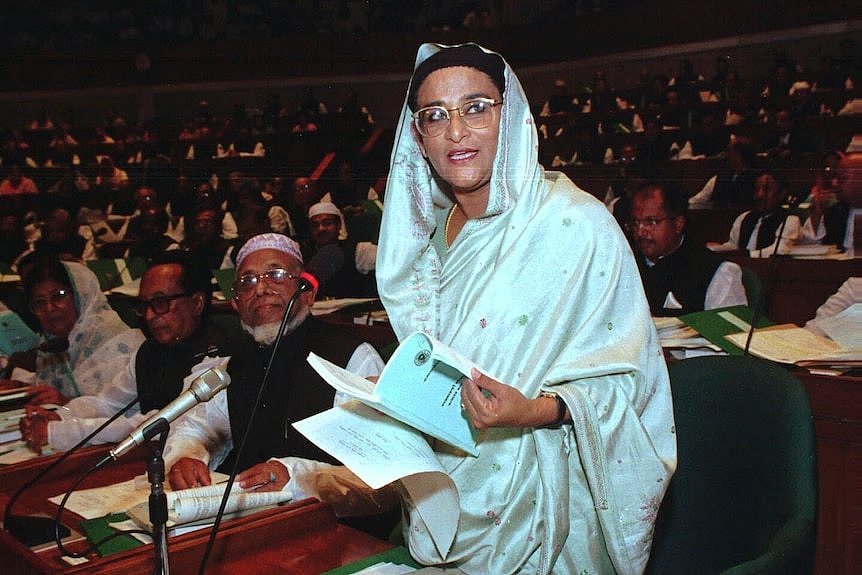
{"x":561,"y":408}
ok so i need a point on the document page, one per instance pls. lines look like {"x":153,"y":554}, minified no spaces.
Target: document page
{"x":792,"y":345}
{"x":845,"y":327}
{"x":420,"y":386}
{"x":379,"y":450}
{"x":190,"y":505}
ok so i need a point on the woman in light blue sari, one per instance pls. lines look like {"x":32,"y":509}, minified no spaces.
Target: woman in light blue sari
{"x":529,"y":277}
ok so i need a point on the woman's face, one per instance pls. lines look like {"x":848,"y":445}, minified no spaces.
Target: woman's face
{"x":54,"y":307}
{"x":461,"y":156}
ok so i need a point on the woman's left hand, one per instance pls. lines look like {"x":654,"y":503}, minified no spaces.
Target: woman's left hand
{"x":500,"y":405}
{"x":34,"y":427}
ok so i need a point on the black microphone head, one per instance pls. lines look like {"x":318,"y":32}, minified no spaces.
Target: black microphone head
{"x":327,"y":262}
{"x":54,"y":345}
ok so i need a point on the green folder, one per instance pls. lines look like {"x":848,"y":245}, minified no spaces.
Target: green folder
{"x":225,"y":281}
{"x":100,"y":527}
{"x":113,"y":273}
{"x":712,"y":326}
{"x":15,"y":335}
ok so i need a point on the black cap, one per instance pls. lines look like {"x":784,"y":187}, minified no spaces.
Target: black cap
{"x":469,"y":55}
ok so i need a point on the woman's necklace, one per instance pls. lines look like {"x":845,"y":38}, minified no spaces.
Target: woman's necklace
{"x":446,"y":227}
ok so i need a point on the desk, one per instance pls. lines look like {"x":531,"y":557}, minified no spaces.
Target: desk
{"x":300,"y":538}
{"x":836,"y":403}
{"x":797,"y":287}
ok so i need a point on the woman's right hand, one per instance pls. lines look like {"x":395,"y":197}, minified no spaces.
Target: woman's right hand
{"x":41,"y":393}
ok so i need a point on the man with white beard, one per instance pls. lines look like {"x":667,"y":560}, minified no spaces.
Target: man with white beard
{"x":277,"y":457}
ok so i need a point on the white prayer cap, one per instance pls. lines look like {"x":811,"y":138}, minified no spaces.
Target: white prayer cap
{"x":797,"y":86}
{"x":270,"y":241}
{"x":323,"y":208}
{"x":330,"y":209}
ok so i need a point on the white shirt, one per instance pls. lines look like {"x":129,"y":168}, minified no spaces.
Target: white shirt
{"x":815,"y":236}
{"x":848,"y":294}
{"x":789,"y":236}
{"x":82,"y":415}
{"x":205,"y":434}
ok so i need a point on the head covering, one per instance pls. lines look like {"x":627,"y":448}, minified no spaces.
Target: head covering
{"x":323,"y":208}
{"x":100,"y":343}
{"x":470,"y":55}
{"x":269,"y":241}
{"x":330,"y":209}
{"x":411,"y":221}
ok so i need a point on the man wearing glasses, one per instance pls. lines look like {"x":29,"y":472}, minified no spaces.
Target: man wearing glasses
{"x":173,"y":303}
{"x":276,"y":456}
{"x":679,"y":277}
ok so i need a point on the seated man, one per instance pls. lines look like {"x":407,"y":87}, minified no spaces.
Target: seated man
{"x":174,"y":303}
{"x":679,"y":277}
{"x":352,"y":269}
{"x":278,"y":456}
{"x":836,"y":204}
{"x":758,"y":231}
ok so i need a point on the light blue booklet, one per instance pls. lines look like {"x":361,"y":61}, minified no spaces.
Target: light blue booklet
{"x":420,"y":386}
{"x":15,"y":335}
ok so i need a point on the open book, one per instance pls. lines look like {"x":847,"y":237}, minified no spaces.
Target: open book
{"x":420,"y":386}
{"x":381,"y":436}
{"x":189,"y":506}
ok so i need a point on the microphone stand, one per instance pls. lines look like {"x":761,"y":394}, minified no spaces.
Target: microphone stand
{"x":158,"y":500}
{"x":767,"y":288}
{"x":16,"y":524}
{"x":304,"y":286}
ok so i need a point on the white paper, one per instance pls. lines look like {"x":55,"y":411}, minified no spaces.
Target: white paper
{"x":99,"y":501}
{"x":792,"y":345}
{"x":17,"y":455}
{"x":420,"y":386}
{"x":845,"y":327}
{"x":119,"y":497}
{"x":379,"y":449}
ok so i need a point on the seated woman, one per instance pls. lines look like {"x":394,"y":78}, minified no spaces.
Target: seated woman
{"x":86,"y":342}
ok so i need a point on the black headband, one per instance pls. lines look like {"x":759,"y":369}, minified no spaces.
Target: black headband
{"x":469,"y":55}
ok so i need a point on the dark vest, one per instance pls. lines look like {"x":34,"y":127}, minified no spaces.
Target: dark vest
{"x":686,"y":272}
{"x":835,"y":221}
{"x":768,"y":227}
{"x":160,"y":369}
{"x":294,"y":392}
{"x":347,"y":281}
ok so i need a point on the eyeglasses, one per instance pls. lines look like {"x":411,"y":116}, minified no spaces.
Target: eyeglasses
{"x":646,"y":223}
{"x":159,"y":304}
{"x":55,"y":299}
{"x":433,"y":120}
{"x":246,"y":283}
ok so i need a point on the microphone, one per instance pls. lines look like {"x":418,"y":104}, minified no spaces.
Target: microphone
{"x":792,"y":203}
{"x":202,"y":389}
{"x":323,"y":266}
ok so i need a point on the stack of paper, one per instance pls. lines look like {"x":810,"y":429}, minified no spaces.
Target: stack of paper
{"x":673,"y":333}
{"x":795,"y":345}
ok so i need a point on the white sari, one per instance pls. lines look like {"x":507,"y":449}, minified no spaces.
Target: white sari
{"x":542,"y":292}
